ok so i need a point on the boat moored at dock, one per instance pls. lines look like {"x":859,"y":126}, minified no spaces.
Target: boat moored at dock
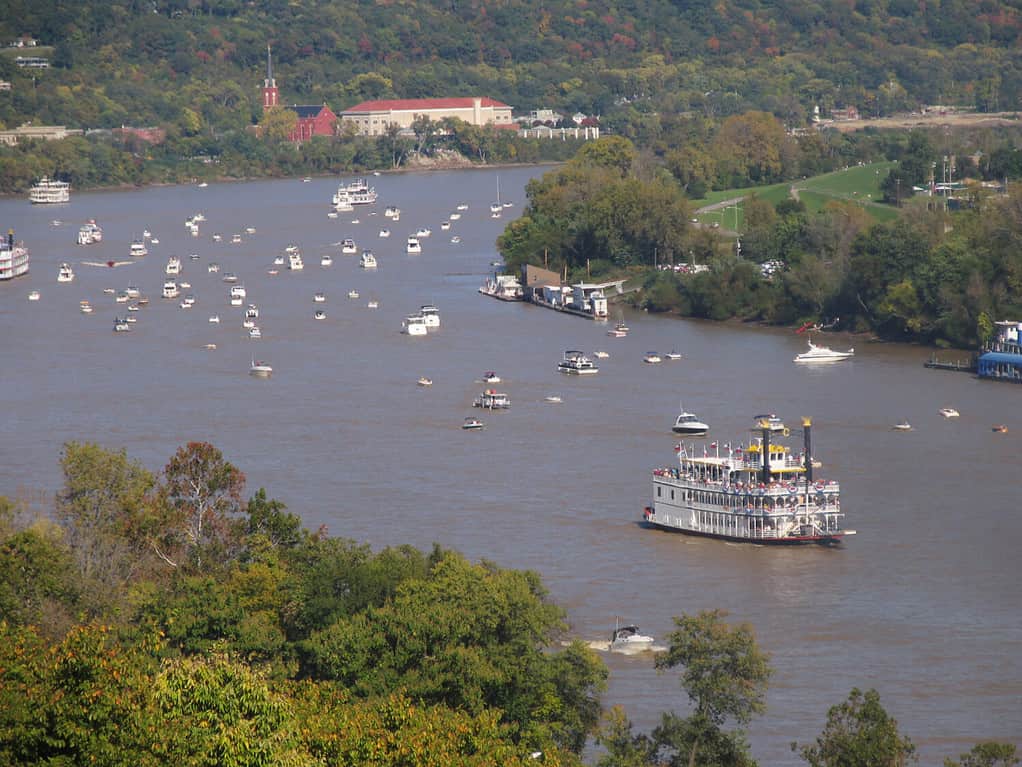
{"x":756,"y":494}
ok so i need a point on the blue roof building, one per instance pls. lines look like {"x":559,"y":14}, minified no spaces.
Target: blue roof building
{"x":1003,"y":360}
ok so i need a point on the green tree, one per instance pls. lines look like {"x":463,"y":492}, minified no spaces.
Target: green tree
{"x":989,"y":754}
{"x":725,"y":675}
{"x":278,"y":123}
{"x":859,"y":732}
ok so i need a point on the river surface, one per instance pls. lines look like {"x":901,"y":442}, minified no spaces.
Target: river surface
{"x":923,"y":604}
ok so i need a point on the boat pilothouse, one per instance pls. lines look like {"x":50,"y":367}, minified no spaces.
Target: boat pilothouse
{"x":758,"y":494}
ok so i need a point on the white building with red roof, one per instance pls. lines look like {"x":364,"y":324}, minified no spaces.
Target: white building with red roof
{"x":371,"y":118}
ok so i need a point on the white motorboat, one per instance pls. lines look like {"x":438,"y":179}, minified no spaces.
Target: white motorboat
{"x":628,"y":639}
{"x":414,"y":325}
{"x":138,"y":249}
{"x":326,"y":260}
{"x":348,"y":247}
{"x":188,"y":302}
{"x":33,"y":295}
{"x":688,"y":425}
{"x":171,"y":289}
{"x":214,"y":319}
{"x":445,"y":225}
{"x":423,"y":381}
{"x":384,"y":233}
{"x":238,"y":291}
{"x":373,"y":305}
{"x":576,"y":363}
{"x":85,"y":307}
{"x":472,"y":423}
{"x":462,"y":206}
{"x":490,"y":377}
{"x":672,"y":355}
{"x":601,"y":355}
{"x":822,"y":354}
{"x":491,"y":399}
{"x":252,"y":312}
{"x":391,"y":211}
{"x":255,"y":332}
{"x":553,"y":399}
{"x":430,"y":315}
{"x":132,"y":291}
{"x":353,"y":293}
{"x":213,"y":267}
{"x":230,"y":277}
{"x":260,"y":369}
{"x":902,"y":426}
{"x":368,"y":260}
{"x":652,"y":358}
{"x":319,"y":315}
{"x":66,"y":273}
{"x":332,"y":214}
{"x":423,"y":232}
{"x":455,"y":239}
{"x":122,"y":297}
{"x":294,"y":260}
{"x":454,"y":217}
{"x":774,"y":423}
{"x":278,"y":260}
{"x":319,"y":298}
{"x":121,"y":325}
{"x":173,"y":265}
{"x":235,"y":239}
{"x":413,"y":246}
{"x":217,"y":237}
{"x":193,"y":256}
{"x":237,"y":301}
{"x":948,"y":412}
{"x":248,"y":323}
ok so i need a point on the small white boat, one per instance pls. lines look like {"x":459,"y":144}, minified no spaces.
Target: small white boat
{"x":672,"y":355}
{"x":462,"y":206}
{"x":490,"y":377}
{"x":423,"y":232}
{"x":326,"y":260}
{"x":235,"y":239}
{"x":319,"y":315}
{"x":121,"y":326}
{"x":353,"y":293}
{"x":425,"y":381}
{"x":122,"y":297}
{"x":373,"y":305}
{"x":414,"y":325}
{"x":615,"y":333}
{"x":217,"y":238}
{"x":66,"y":273}
{"x":193,"y":256}
{"x":229,"y":277}
{"x":85,"y":307}
{"x":255,"y":332}
{"x":171,"y":289}
{"x":902,"y":426}
{"x":472,"y":423}
{"x":455,"y":239}
{"x":628,"y":639}
{"x":146,"y":234}
{"x":238,"y":291}
{"x":185,"y":285}
{"x":652,"y":358}
{"x":202,"y":185}
{"x":948,"y":412}
{"x":260,"y":369}
{"x":214,"y":318}
{"x":154,"y":241}
{"x":252,"y":312}
{"x":188,"y":301}
{"x":771,"y":421}
{"x":391,"y":211}
{"x":355,"y":221}
{"x":822,"y":354}
{"x":553,"y":399}
{"x":248,"y":323}
{"x":454,"y":216}
{"x":413,"y":246}
{"x":173,"y":266}
{"x":213,"y":267}
{"x":34,"y":295}
{"x":348,"y":247}
{"x":332,"y":214}
{"x":384,"y":233}
{"x":444,"y":226}
{"x":237,"y":300}
{"x":132,"y":307}
{"x":368,"y":260}
{"x":250,"y":230}
{"x":278,"y":260}
{"x":109,"y":291}
{"x":600,"y":355}
{"x":319,"y":298}
{"x":688,"y":425}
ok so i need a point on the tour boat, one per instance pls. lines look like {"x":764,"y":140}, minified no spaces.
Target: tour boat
{"x":14,"y":257}
{"x":822,"y":354}
{"x":759,"y":493}
{"x":355,"y":192}
{"x":413,"y":246}
{"x":66,"y":273}
{"x":48,"y":191}
{"x":368,"y":260}
{"x":491,"y":399}
{"x":576,"y":363}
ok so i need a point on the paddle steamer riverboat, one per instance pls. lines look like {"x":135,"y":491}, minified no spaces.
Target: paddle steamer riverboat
{"x":759,"y":494}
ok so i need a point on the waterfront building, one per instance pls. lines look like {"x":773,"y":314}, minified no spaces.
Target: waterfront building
{"x":372,"y":118}
{"x":1002,"y":361}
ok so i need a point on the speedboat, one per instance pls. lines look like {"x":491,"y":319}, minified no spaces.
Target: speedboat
{"x":823,"y":354}
{"x":948,"y":412}
{"x":600,"y":355}
{"x":423,"y":381}
{"x":66,"y":273}
{"x":689,"y":425}
{"x":902,"y":426}
{"x":774,"y":423}
{"x":576,"y":363}
{"x":368,"y":260}
{"x":628,"y":638}
{"x":348,"y":247}
{"x":319,"y":298}
{"x":553,"y":398}
{"x":319,"y":315}
{"x":652,"y":358}
{"x":33,"y":295}
{"x":490,"y":377}
{"x":260,"y":369}
{"x":672,"y":355}
{"x":214,"y":318}
{"x":999,"y":429}
{"x":472,"y":423}
{"x":326,"y":260}
{"x":352,"y":293}
{"x":384,"y":233}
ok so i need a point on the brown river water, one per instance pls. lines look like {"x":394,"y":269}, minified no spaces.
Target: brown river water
{"x":923,"y":603}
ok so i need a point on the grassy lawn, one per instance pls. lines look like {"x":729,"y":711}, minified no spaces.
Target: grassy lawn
{"x":859,"y":184}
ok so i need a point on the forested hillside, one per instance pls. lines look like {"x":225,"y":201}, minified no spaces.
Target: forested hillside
{"x":198,"y":64}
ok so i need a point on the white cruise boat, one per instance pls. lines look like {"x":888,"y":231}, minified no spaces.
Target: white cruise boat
{"x":66,"y":273}
{"x":173,"y":266}
{"x":294,"y":261}
{"x":14,"y":257}
{"x":577,"y":363}
{"x":688,"y":425}
{"x":138,"y":249}
{"x":355,"y":192}
{"x":368,"y":260}
{"x":822,"y":354}
{"x":48,"y":191}
{"x":629,"y":639}
{"x":414,"y":325}
{"x":348,"y":247}
{"x":757,"y":493}
{"x":430,"y":315}
{"x":90,"y":233}
{"x":413,"y":246}
{"x":170,"y":289}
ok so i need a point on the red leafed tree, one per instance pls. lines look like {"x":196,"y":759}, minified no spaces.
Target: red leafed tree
{"x":203,"y":495}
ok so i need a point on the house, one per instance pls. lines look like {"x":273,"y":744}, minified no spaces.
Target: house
{"x":313,"y":120}
{"x":847,"y":113}
{"x":372,"y":118}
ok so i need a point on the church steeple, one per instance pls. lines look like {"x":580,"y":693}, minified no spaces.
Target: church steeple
{"x":269,"y":84}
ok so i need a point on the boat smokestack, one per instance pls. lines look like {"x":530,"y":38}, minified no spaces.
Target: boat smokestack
{"x":765,"y":473}
{"x":807,"y":431}
{"x":10,"y":239}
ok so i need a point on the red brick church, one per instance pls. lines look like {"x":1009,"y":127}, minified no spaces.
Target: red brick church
{"x":312,"y":120}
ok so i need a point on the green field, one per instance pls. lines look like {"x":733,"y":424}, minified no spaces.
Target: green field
{"x":859,"y":184}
